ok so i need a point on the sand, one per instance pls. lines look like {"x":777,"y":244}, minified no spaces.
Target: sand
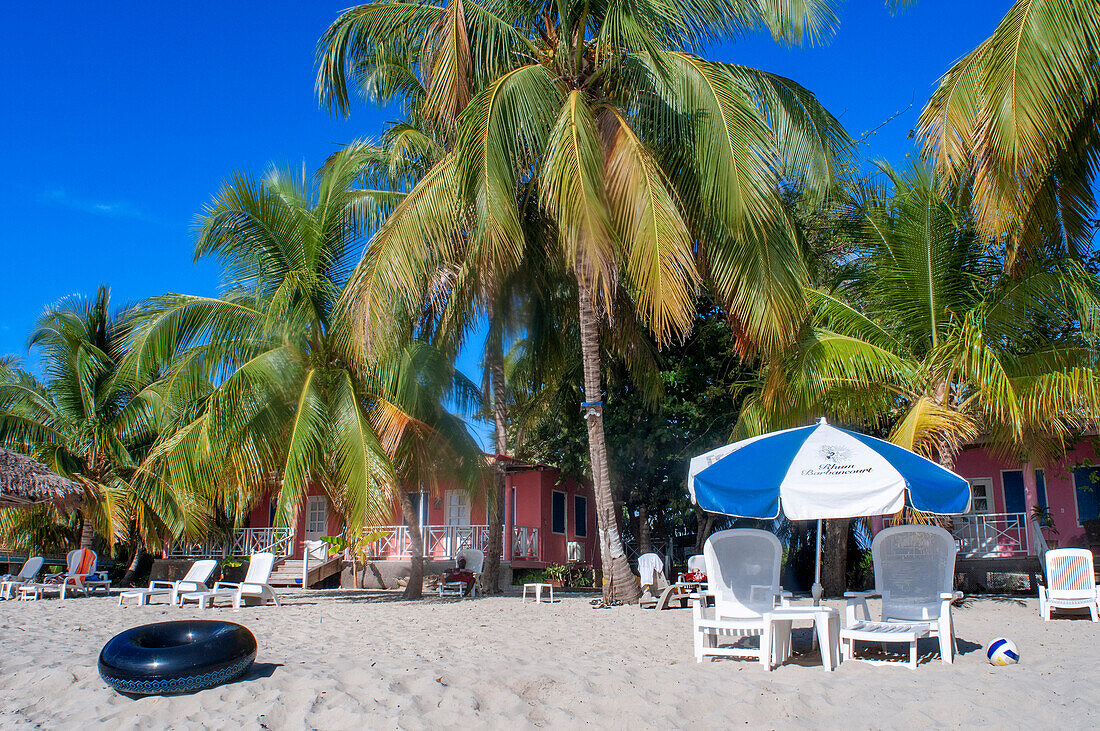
{"x":347,"y":659}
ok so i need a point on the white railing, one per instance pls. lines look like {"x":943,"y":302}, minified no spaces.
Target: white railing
{"x":447,"y":541}
{"x":989,"y":535}
{"x":248,"y":541}
{"x":992,"y":535}
{"x":245,"y":542}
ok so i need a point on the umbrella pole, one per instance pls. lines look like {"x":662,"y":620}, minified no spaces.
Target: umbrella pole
{"x":817,"y":590}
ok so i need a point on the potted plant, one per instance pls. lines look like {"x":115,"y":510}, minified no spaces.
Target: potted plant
{"x":1041,"y":515}
{"x":556,"y":574}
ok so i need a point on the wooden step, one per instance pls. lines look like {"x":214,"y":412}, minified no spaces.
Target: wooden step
{"x":289,"y":573}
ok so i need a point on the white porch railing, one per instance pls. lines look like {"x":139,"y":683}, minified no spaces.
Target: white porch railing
{"x":990,"y":535}
{"x":446,"y":541}
{"x":245,"y":542}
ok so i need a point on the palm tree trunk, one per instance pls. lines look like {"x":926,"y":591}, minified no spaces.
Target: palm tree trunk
{"x":415,"y":588}
{"x":87,"y":533}
{"x":494,"y":497}
{"x":131,"y":572}
{"x":619,"y":582}
{"x":834,"y":569}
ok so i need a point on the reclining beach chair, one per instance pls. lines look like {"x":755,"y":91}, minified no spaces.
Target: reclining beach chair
{"x":80,"y":576}
{"x":682,"y":589}
{"x":194,"y":580}
{"x":915,"y":578}
{"x":1070,"y":582}
{"x":475,"y":563}
{"x":254,"y":588}
{"x":742,"y":568}
{"x":26,"y":575}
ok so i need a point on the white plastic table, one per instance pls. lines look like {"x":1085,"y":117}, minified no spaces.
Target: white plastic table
{"x":202,"y":597}
{"x":537,"y":588}
{"x":883,"y":632}
{"x":826,"y":626}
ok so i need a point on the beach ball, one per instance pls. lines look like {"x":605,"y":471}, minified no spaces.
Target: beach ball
{"x":1002,"y":651}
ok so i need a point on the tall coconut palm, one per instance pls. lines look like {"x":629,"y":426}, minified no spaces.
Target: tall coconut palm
{"x":925,"y":337}
{"x":1018,"y":118}
{"x":589,"y":133}
{"x":91,"y":421}
{"x":293,"y":396}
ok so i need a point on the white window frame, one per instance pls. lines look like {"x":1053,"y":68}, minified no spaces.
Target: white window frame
{"x":991,"y":504}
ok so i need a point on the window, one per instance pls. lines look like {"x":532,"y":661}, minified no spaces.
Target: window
{"x":1041,"y":488}
{"x":420,"y":507}
{"x":981,"y":489}
{"x":1086,"y":483}
{"x":1013,"y":483}
{"x":580,"y":516}
{"x":317,"y":515}
{"x":557,"y":512}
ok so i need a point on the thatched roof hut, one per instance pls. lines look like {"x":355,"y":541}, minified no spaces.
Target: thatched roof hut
{"x":24,"y":482}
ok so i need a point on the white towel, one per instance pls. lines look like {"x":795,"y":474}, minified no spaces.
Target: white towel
{"x":650,"y":566}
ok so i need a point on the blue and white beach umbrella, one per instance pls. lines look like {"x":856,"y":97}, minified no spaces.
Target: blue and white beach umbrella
{"x":820,"y":472}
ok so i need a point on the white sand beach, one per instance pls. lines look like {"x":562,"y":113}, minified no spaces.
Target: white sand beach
{"x":347,"y":659}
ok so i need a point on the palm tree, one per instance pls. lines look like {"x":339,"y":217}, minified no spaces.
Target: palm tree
{"x":588,"y":133}
{"x":294,"y":400}
{"x":925,"y":337}
{"x":1018,"y":118}
{"x":91,"y":421}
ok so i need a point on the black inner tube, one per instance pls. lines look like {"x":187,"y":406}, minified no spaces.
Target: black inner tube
{"x":176,"y":656}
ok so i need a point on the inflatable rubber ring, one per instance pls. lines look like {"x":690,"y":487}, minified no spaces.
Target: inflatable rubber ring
{"x":176,"y":657}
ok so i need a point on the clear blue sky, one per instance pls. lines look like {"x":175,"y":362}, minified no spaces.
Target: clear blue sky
{"x":123,"y":118}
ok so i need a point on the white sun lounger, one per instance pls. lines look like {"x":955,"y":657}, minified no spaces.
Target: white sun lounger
{"x":26,"y":575}
{"x":1070,"y":582}
{"x":915,"y":578}
{"x":253,"y":588}
{"x":194,"y":580}
{"x":475,"y":563}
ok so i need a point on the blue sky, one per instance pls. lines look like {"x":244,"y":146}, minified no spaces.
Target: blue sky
{"x":125,"y":117}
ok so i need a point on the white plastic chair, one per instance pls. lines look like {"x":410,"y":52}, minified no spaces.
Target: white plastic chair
{"x":26,"y":575}
{"x":254,"y":586}
{"x":742,"y":567}
{"x":194,"y":580}
{"x":76,"y":578}
{"x":475,"y":562}
{"x":915,"y":578}
{"x":695,"y":563}
{"x":1070,"y":582}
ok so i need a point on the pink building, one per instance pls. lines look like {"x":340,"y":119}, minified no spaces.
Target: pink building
{"x":547,"y":520}
{"x":1006,"y":491}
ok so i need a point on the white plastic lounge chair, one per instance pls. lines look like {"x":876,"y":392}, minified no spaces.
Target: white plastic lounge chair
{"x":742,"y":568}
{"x":81,"y":565}
{"x":682,"y":590}
{"x":254,"y":588}
{"x":194,"y":580}
{"x":475,"y":562}
{"x":915,"y":578}
{"x":695,"y":563}
{"x":1070,"y":582}
{"x":26,"y":575}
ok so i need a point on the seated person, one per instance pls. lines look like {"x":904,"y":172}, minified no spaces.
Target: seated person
{"x":460,"y":573}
